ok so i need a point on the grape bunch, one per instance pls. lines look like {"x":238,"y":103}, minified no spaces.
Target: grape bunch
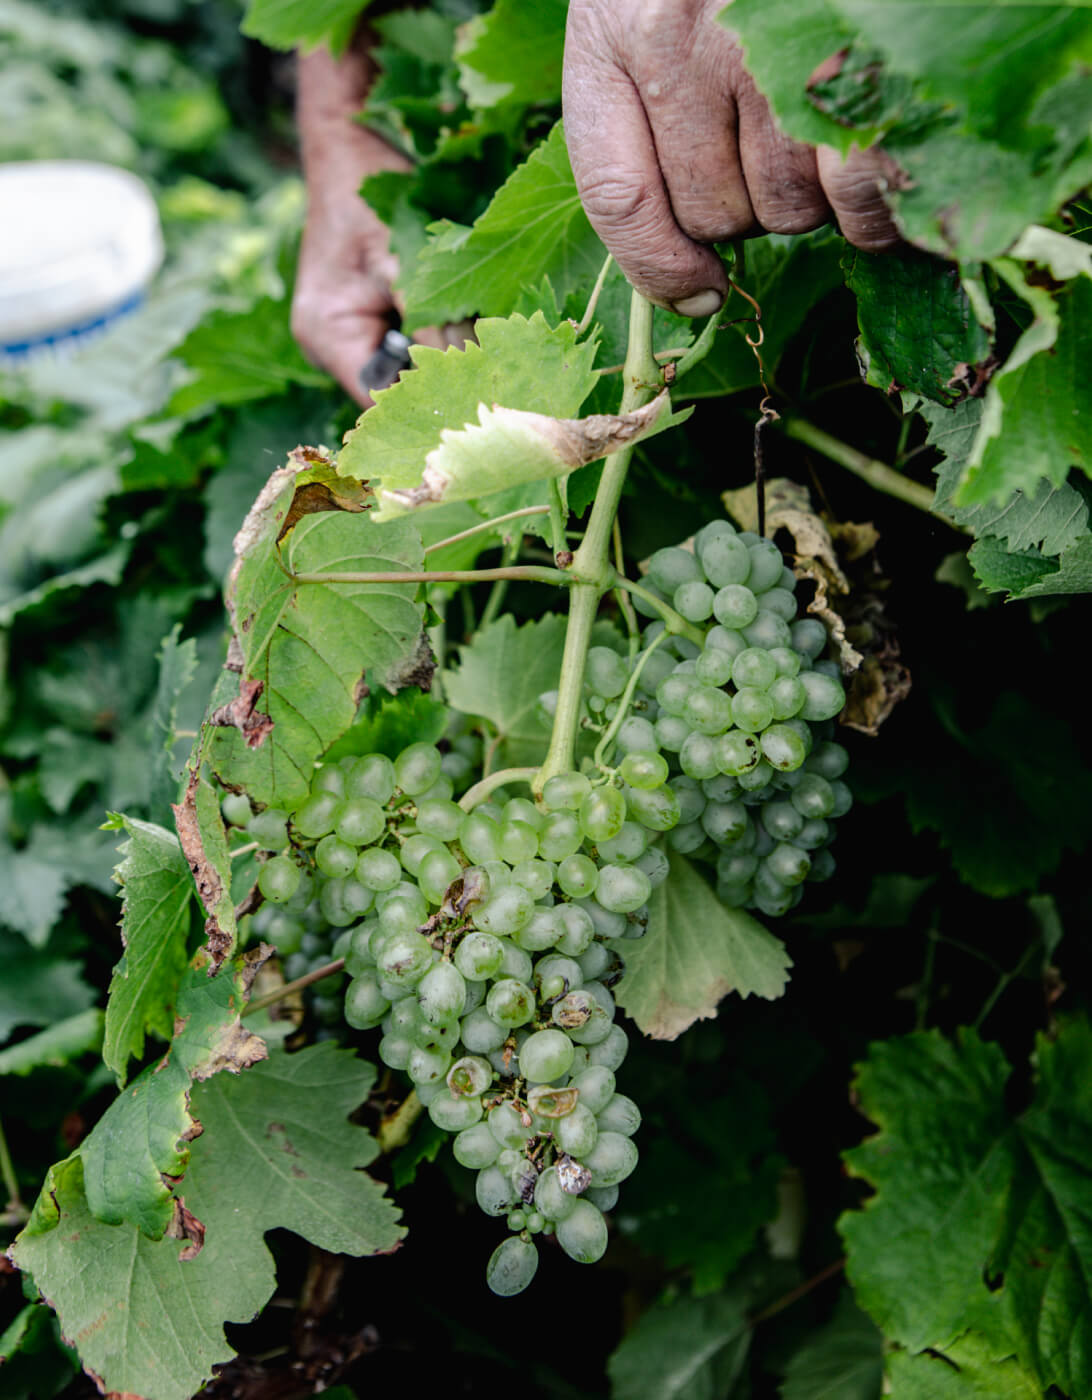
{"x":483,"y":944}
{"x":739,"y":727}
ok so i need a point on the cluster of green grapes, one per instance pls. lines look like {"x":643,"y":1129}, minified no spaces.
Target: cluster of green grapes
{"x":311,"y":928}
{"x":483,"y":943}
{"x":740,"y":726}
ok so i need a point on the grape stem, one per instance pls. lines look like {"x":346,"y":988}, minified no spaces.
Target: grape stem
{"x":591,"y":570}
{"x":287,"y":988}
{"x":481,"y":790}
{"x":675,"y":623}
{"x":625,"y":700}
{"x":487,"y":525}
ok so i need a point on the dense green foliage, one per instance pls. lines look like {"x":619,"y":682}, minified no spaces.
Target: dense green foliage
{"x":892,"y":1075}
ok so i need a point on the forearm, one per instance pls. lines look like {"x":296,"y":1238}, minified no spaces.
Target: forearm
{"x":336,"y":151}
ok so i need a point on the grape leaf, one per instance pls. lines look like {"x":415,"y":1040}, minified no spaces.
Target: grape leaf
{"x":69,"y":762}
{"x":980,"y":1221}
{"x":390,"y":723}
{"x":918,"y":330}
{"x":966,"y":97}
{"x":1049,"y":518}
{"x":309,"y":649}
{"x":277,"y":1152}
{"x":842,"y":1360}
{"x":1030,"y":573}
{"x":37,"y":988}
{"x":508,"y":449}
{"x":501,"y":675}
{"x":534,"y":227}
{"x":240,"y":355}
{"x":157,"y":891}
{"x":58,"y":1044}
{"x":512,"y":55}
{"x":687,"y":1350}
{"x":305,"y":24}
{"x":1037,"y":416}
{"x":517,"y":363}
{"x":35,"y":886}
{"x":695,"y":952}
{"x":140,"y":1147}
{"x":966,"y":1370}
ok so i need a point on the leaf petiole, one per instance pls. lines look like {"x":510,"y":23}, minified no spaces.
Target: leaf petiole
{"x":487,"y":525}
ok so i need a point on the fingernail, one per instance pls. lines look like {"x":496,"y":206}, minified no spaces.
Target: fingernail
{"x":700,"y":304}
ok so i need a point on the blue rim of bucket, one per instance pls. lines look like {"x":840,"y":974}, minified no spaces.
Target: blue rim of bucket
{"x":20,"y":351}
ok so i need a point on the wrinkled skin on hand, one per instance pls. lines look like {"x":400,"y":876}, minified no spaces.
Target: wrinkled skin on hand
{"x":674,"y":148}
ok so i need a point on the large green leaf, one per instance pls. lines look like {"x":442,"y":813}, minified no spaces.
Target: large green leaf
{"x":967,"y":1370}
{"x":977,"y":103}
{"x":235,"y":356}
{"x":139,"y":1149}
{"x":696,"y":951}
{"x":1037,"y":416}
{"x":535,"y":227}
{"x":512,"y":55}
{"x":38,"y":988}
{"x":981,"y":1222}
{"x":310,"y":651}
{"x":516,"y":363}
{"x":918,"y":330}
{"x":507,"y":451}
{"x":692,"y":1349}
{"x":1050,"y":518}
{"x":501,"y":675}
{"x":277,"y":1152}
{"x":157,"y":891}
{"x":1031,"y":573}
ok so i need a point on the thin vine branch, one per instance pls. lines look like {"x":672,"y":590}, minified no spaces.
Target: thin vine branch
{"x":673,"y":621}
{"x":287,"y":988}
{"x":487,"y":525}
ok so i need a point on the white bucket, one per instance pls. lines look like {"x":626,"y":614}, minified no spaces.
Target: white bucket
{"x":79,"y":244}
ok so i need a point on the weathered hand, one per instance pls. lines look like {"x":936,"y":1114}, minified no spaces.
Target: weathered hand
{"x":343,"y":301}
{"x":674,"y":148}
